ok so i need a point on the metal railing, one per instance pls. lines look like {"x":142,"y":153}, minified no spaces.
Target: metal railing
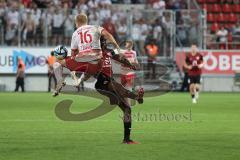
{"x":55,"y":27}
{"x":163,"y":26}
{"x":213,"y":43}
{"x":189,"y":27}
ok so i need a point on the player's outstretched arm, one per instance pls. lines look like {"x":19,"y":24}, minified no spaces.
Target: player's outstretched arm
{"x":121,"y":59}
{"x":110,"y":38}
{"x":185,"y":64}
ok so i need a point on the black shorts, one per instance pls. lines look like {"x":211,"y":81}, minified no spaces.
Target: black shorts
{"x":102,"y":86}
{"x":195,"y":79}
{"x":29,"y":34}
{"x":57,"y":31}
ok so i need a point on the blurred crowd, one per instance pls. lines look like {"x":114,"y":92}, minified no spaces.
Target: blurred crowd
{"x":51,"y":22}
{"x":224,"y":37}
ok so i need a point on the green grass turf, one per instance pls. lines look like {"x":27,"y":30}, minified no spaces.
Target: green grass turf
{"x":29,"y":129}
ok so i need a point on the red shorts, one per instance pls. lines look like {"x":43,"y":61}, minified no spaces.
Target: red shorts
{"x":72,"y":65}
{"x":89,"y":68}
{"x":127,"y":80}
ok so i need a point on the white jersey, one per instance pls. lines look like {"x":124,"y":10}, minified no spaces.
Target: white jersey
{"x":86,"y":40}
{"x":131,"y":56}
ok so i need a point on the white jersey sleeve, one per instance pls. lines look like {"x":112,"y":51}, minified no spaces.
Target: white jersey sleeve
{"x":100,"y":29}
{"x":135,"y":57}
{"x":74,"y":42}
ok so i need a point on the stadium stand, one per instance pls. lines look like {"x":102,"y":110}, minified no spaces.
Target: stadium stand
{"x":52,"y":17}
{"x":223,"y":14}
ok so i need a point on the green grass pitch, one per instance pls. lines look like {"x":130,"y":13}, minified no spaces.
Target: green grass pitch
{"x":29,"y":129}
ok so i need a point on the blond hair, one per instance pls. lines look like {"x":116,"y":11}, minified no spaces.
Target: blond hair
{"x":81,"y":19}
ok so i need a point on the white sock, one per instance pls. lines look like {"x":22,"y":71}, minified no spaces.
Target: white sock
{"x":58,"y":71}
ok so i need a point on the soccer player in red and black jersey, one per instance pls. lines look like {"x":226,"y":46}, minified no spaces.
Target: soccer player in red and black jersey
{"x":194,"y":64}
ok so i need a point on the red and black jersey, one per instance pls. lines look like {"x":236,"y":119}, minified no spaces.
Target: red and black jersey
{"x":106,"y":66}
{"x":194,"y":61}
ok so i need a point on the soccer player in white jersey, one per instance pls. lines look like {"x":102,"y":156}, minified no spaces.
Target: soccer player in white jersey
{"x":128,"y":75}
{"x":85,"y":44}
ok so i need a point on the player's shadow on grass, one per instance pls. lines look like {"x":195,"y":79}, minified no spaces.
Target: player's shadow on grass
{"x":62,"y":109}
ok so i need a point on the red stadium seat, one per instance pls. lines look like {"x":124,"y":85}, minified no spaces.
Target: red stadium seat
{"x":221,"y":18}
{"x":211,"y":1}
{"x":233,"y":18}
{"x":216,"y":8}
{"x":208,"y":7}
{"x":204,"y":6}
{"x":228,"y":25}
{"x":227,"y":8}
{"x":211,"y":17}
{"x":236,"y":8}
{"x":201,"y":1}
{"x":215,"y":26}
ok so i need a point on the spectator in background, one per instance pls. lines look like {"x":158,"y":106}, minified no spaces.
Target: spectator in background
{"x":186,"y":18}
{"x":2,"y":22}
{"x":236,"y":35}
{"x":136,"y":32}
{"x":137,"y":15}
{"x":157,"y":31}
{"x":152,"y":53}
{"x":51,"y":75}
{"x":192,"y":33}
{"x":159,"y":4}
{"x":236,"y":29}
{"x":47,"y":18}
{"x":92,"y":4}
{"x":122,"y":30}
{"x":57,"y":26}
{"x":36,"y":13}
{"x":182,"y":35}
{"x":93,"y":17}
{"x":36,"y":16}
{"x":39,"y":32}
{"x":28,"y":28}
{"x":2,"y":11}
{"x":20,"y":78}
{"x":26,"y":3}
{"x":104,"y":12}
{"x":68,"y":27}
{"x":110,"y":27}
{"x":209,"y":40}
{"x":144,"y":31}
{"x":105,"y":2}
{"x":13,"y":15}
{"x":12,"y":23}
{"x":81,"y":7}
{"x":222,"y":37}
